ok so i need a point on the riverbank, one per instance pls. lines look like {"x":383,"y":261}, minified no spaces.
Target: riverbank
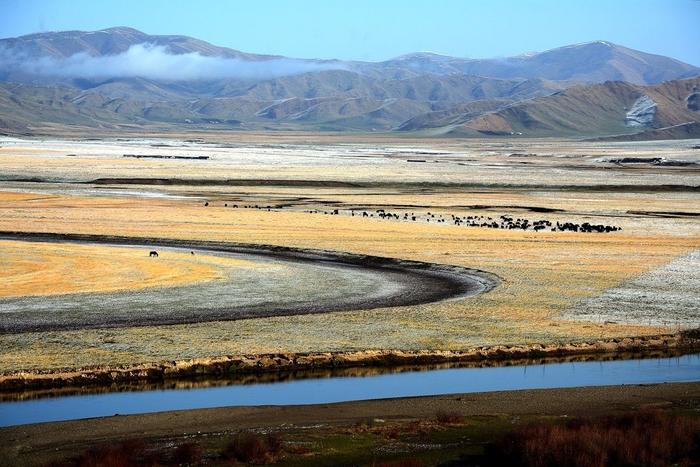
{"x":437,"y":428}
{"x":270,"y":363}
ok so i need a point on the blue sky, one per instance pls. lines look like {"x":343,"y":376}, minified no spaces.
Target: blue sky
{"x":377,"y":30}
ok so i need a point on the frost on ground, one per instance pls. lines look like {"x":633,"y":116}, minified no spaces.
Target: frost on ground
{"x":667,"y":296}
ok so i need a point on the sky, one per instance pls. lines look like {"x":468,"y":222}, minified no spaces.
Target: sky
{"x":376,"y":30}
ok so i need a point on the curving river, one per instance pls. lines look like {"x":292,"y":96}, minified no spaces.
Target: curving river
{"x":290,"y":281}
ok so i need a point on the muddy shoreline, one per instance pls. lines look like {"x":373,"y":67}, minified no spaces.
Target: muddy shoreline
{"x":285,"y":362}
{"x":419,"y":283}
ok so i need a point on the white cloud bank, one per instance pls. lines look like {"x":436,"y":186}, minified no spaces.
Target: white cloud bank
{"x":155,"y":62}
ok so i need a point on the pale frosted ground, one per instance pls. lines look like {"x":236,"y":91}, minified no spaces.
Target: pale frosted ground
{"x":529,"y":162}
{"x":666,"y":296}
{"x":269,"y":284}
{"x":544,"y":274}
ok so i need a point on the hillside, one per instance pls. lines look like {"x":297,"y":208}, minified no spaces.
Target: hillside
{"x":610,"y":108}
{"x":452,"y":116}
{"x":591,"y":62}
{"x":330,"y":99}
{"x":121,"y":76}
{"x":112,"y":41}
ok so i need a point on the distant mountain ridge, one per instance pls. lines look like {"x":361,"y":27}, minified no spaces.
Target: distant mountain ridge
{"x":112,"y":41}
{"x":590,"y":62}
{"x":595,"y":61}
{"x":43,"y":82}
{"x":610,"y":108}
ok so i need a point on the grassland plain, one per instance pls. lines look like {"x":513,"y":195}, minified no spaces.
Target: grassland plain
{"x":284,"y":281}
{"x":545,"y":274}
{"x":47,"y":269}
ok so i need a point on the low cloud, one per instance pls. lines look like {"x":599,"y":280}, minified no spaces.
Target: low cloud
{"x":155,"y":62}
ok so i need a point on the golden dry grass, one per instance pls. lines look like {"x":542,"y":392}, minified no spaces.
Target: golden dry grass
{"x":29,"y":268}
{"x":543,"y":274}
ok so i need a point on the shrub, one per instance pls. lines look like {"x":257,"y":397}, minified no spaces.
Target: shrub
{"x":298,"y":449}
{"x":449,"y":417}
{"x":647,"y":438}
{"x":125,"y":454}
{"x":253,"y":448}
{"x":400,"y":463}
{"x":274,"y":443}
{"x":188,"y":453}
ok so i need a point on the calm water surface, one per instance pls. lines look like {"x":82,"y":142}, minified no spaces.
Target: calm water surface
{"x":351,"y":388}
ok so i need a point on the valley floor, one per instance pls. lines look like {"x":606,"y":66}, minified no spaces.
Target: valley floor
{"x":395,"y":198}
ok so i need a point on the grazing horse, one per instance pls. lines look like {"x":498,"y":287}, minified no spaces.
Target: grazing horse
{"x":153,"y":253}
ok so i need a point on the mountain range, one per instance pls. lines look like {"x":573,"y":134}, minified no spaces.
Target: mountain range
{"x":121,"y":78}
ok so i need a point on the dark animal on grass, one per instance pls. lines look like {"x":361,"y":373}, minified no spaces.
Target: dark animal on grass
{"x":153,"y":253}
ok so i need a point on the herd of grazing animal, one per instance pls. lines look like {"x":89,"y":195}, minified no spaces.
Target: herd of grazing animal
{"x":501,"y":222}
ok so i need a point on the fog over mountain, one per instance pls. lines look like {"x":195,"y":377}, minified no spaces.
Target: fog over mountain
{"x":121,"y":76}
{"x":150,"y":61}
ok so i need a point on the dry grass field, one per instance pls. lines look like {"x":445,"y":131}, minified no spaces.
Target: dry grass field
{"x":31,"y":269}
{"x":546,"y":275}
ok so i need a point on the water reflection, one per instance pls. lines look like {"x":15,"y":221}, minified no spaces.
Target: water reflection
{"x":209,"y":381}
{"x":338,"y":386}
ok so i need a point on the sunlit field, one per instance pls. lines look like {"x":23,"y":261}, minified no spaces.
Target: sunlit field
{"x":548,"y":277}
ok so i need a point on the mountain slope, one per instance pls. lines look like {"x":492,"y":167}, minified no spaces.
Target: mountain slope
{"x":112,"y":41}
{"x":603,"y":109}
{"x":591,"y":62}
{"x":352,"y":102}
{"x":122,"y":76}
{"x":453,"y":116}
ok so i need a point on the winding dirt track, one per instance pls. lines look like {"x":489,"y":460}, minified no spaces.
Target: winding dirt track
{"x":399,"y":283}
